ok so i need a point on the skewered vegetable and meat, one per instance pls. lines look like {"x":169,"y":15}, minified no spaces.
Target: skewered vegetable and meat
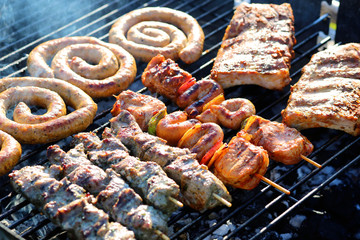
{"x":165,"y":77}
{"x":237,"y":163}
{"x":197,"y":184}
{"x":141,"y":106}
{"x":284,"y":144}
{"x":257,"y":47}
{"x":127,"y":207}
{"x":328,"y":92}
{"x":66,"y":204}
{"x":147,"y":178}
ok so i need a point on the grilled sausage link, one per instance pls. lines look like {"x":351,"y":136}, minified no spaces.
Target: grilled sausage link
{"x":201,"y":138}
{"x":54,"y":129}
{"x":150,"y":31}
{"x":230,"y":113}
{"x":100,"y":69}
{"x":196,"y":96}
{"x":10,"y":152}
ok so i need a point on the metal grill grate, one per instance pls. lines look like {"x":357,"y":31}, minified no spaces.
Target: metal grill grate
{"x":253,"y":212}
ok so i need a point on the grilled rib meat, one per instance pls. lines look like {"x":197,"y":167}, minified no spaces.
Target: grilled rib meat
{"x":147,"y":178}
{"x":328,"y":92}
{"x":141,"y":106}
{"x":284,"y":144}
{"x":127,"y":207}
{"x":66,"y":204}
{"x":257,"y":47}
{"x":197,"y":184}
{"x":239,"y":162}
{"x":165,"y":77}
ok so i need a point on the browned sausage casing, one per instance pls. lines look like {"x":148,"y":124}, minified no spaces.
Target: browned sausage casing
{"x":100,"y":69}
{"x":143,"y":47}
{"x":10,"y":152}
{"x":54,"y":129}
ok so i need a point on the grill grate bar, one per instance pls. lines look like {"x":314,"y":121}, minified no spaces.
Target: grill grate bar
{"x":38,"y":226}
{"x":14,"y":209}
{"x":22,"y":220}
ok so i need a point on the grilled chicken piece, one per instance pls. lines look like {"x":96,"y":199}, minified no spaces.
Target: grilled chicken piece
{"x":197,"y":184}
{"x":284,"y":144}
{"x":328,"y":92}
{"x":66,"y":204}
{"x":257,"y":47}
{"x":165,"y":77}
{"x":127,"y":208}
{"x":141,"y":106}
{"x":239,"y":162}
{"x":147,"y":178}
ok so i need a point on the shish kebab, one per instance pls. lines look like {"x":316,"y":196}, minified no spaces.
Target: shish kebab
{"x":112,"y":194}
{"x":151,"y":148}
{"x":147,"y":178}
{"x":199,"y":188}
{"x":67,"y":205}
{"x":166,"y":78}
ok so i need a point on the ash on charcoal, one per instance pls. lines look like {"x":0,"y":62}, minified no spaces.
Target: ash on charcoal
{"x":297,"y":221}
{"x":286,"y":236}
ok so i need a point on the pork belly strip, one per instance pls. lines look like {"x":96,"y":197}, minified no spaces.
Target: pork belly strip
{"x":257,"y":47}
{"x":146,"y":178}
{"x":66,"y":204}
{"x":125,"y":207}
{"x":328,"y":93}
{"x":197,"y":183}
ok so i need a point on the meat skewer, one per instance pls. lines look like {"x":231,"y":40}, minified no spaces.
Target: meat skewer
{"x":150,"y":148}
{"x":197,"y":183}
{"x":113,"y":194}
{"x":284,"y":144}
{"x":66,"y":204}
{"x":147,"y":178}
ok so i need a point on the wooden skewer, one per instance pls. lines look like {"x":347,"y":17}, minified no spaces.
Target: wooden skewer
{"x":222,"y":200}
{"x":161,"y":234}
{"x":310,"y":161}
{"x":275,"y":185}
{"x":177,"y":202}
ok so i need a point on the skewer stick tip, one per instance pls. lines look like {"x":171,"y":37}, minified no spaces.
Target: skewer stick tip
{"x":311,"y":161}
{"x":176,"y":202}
{"x":275,"y":185}
{"x":222,"y":200}
{"x":161,"y":234}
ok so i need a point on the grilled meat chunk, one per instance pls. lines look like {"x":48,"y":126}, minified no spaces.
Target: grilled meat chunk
{"x":163,"y":154}
{"x":239,"y":162}
{"x":284,"y":144}
{"x":197,"y":185}
{"x":124,"y":210}
{"x":147,"y":178}
{"x":66,"y":204}
{"x":141,"y":106}
{"x":257,"y":47}
{"x":165,"y":77}
{"x":327,"y":94}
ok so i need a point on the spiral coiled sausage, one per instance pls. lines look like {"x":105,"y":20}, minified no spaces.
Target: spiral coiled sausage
{"x":100,"y":69}
{"x":10,"y":152}
{"x":50,"y":128}
{"x":149,"y":32}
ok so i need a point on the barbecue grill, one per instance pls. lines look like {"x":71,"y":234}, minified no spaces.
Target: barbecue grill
{"x":262,"y":213}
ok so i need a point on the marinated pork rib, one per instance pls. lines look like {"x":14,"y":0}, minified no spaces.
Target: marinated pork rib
{"x":127,"y":207}
{"x":197,"y":183}
{"x":141,"y":106}
{"x":239,"y":162}
{"x":257,"y":47}
{"x":147,"y":178}
{"x":284,"y":144}
{"x":66,"y":204}
{"x":328,"y":92}
{"x":165,"y":77}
